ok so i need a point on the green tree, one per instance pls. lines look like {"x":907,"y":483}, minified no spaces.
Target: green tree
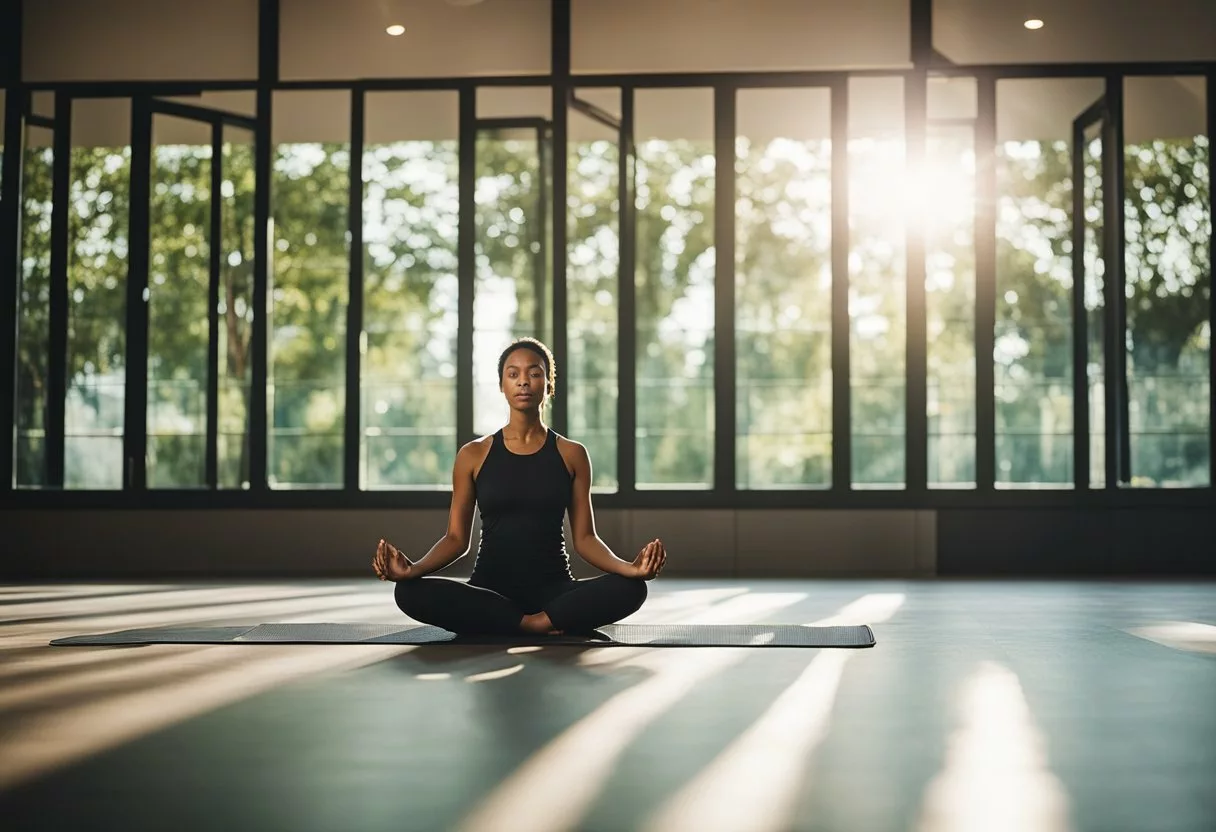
{"x":410,"y":260}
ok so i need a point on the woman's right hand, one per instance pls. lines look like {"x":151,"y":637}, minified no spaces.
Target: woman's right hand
{"x":390,"y":564}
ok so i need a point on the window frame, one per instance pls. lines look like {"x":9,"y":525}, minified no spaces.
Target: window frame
{"x":562,"y":83}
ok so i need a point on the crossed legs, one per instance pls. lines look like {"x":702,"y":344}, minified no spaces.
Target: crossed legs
{"x":572,"y":606}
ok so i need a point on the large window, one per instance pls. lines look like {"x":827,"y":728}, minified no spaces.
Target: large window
{"x":1168,"y":231}
{"x":783,"y":300}
{"x":593,"y":279}
{"x":181,"y":236}
{"x":948,"y":205}
{"x":411,"y":203}
{"x":513,"y":280}
{"x":178,"y":282}
{"x":1083,"y":232}
{"x":99,"y":217}
{"x":308,"y":292}
{"x":33,"y":310}
{"x":1033,"y":371}
{"x":675,"y":288}
{"x":879,"y":203}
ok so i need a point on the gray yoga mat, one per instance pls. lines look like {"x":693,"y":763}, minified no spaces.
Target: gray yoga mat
{"x":616,"y":635}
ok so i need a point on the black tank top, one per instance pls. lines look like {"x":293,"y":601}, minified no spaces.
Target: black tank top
{"x":523,"y":499}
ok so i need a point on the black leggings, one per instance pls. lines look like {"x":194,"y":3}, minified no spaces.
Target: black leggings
{"x":573,"y":606}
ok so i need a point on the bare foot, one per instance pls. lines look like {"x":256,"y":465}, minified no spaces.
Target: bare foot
{"x":538,"y":623}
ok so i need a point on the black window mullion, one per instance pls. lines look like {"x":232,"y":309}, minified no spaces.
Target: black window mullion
{"x":540,"y":239}
{"x":916,"y":363}
{"x":352,"y":450}
{"x":1211,"y":130}
{"x":1080,"y":323}
{"x":57,"y":352}
{"x":985,"y":285}
{"x":263,"y":263}
{"x":215,"y":264}
{"x":842,"y":444}
{"x":627,"y":369}
{"x":724,"y":289}
{"x":1119,"y":234}
{"x":135,"y":426}
{"x":1115,"y":308}
{"x":466,"y":251}
{"x":560,"y":35}
{"x":10,"y":256}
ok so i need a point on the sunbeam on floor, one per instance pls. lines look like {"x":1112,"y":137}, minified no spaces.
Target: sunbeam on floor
{"x":983,"y":706}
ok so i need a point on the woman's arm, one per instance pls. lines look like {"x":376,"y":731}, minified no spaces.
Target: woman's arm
{"x":455,"y":543}
{"x":587,"y":543}
{"x":391,"y":564}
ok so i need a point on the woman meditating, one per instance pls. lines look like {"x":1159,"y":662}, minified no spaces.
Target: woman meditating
{"x":524,"y":478}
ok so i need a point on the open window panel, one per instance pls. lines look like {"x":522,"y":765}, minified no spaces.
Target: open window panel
{"x":1142,"y":284}
{"x":193,"y":177}
{"x":1090,"y":251}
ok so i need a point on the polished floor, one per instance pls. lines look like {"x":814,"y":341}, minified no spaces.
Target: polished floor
{"x":985,"y":706}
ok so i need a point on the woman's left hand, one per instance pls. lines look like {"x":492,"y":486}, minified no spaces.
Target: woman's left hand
{"x":650,"y":561}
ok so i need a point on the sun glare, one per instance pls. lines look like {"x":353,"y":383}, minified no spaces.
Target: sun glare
{"x":937,"y":196}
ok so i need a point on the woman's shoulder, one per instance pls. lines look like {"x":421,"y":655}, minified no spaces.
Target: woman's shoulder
{"x":570,"y":450}
{"x":474,"y":453}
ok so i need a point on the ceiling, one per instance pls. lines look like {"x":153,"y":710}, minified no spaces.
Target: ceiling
{"x":343,"y":39}
{"x":1078,"y":31}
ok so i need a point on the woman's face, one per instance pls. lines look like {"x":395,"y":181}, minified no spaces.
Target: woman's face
{"x":524,"y":382}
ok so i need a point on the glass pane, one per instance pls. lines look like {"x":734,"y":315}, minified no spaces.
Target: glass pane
{"x":783,"y":285}
{"x":878,"y":215}
{"x":513,"y":288}
{"x":949,"y":222}
{"x":438,"y":39}
{"x":411,"y":200}
{"x":675,"y":288}
{"x":235,"y":310}
{"x":33,"y":310}
{"x":307,"y":395}
{"x":97,"y":288}
{"x":1095,"y":304}
{"x":1168,"y":231}
{"x":1073,"y":31}
{"x":1033,"y":353}
{"x":179,"y":275}
{"x":593,"y":281}
{"x":697,"y":36}
{"x":120,"y":40}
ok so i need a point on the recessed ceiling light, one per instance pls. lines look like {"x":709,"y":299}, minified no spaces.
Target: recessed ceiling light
{"x":396,"y":30}
{"x":1033,"y":23}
